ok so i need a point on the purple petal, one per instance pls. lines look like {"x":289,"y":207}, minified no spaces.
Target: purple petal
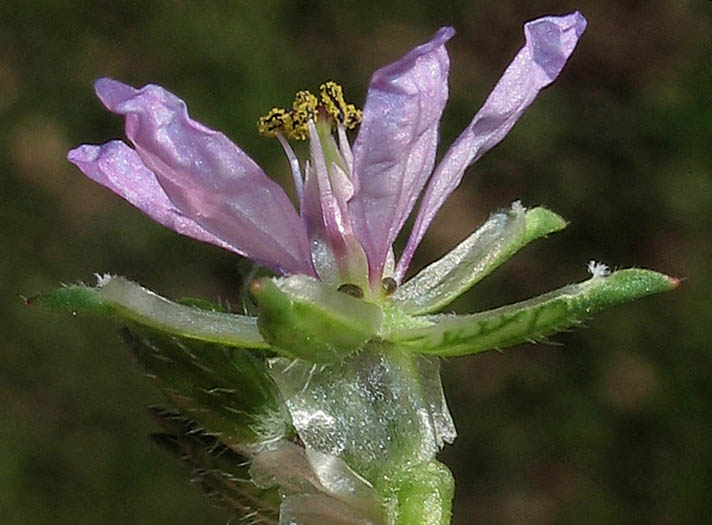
{"x":336,"y":227}
{"x":326,"y":217}
{"x":549,"y":43}
{"x":323,"y":257}
{"x":120,"y":169}
{"x":310,"y":204}
{"x":209,"y":179}
{"x":395,"y":148}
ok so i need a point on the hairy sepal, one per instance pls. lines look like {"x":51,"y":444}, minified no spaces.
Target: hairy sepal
{"x":226,"y":390}
{"x":221,"y":472}
{"x":498,"y":239}
{"x":533,"y":319}
{"x":304,"y":318}
{"x":120,"y":298}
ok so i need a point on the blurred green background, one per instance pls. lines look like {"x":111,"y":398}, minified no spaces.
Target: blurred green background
{"x":613,"y":424}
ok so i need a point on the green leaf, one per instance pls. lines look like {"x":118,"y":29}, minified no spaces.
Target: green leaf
{"x":499,"y":238}
{"x":121,"y":298}
{"x":222,"y":473}
{"x":533,"y":319}
{"x":227,"y":390}
{"x":302,"y":317}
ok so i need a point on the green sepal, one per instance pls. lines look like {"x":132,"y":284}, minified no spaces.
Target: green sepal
{"x":74,"y":299}
{"x":500,"y":237}
{"x":302,"y":317}
{"x":533,"y":319}
{"x":120,"y":298}
{"x":203,"y":304}
{"x":226,"y":390}
{"x":221,"y":472}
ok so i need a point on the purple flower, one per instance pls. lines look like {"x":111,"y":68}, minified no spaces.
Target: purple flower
{"x":352,"y":203}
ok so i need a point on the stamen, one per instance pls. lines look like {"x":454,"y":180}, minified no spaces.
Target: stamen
{"x":304,"y":109}
{"x":345,"y":148}
{"x":332,"y":98}
{"x":294,"y":165}
{"x":276,"y":121}
{"x":306,"y":106}
{"x":352,"y":117}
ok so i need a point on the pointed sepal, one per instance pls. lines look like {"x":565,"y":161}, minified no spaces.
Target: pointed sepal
{"x":226,"y":390}
{"x":533,"y":319}
{"x":221,"y":472}
{"x":120,"y":298}
{"x":302,"y":317}
{"x":498,"y":239}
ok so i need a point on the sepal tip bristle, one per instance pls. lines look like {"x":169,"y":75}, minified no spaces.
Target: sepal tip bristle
{"x":598,"y":269}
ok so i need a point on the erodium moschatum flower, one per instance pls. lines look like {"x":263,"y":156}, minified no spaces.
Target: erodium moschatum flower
{"x":325,"y":406}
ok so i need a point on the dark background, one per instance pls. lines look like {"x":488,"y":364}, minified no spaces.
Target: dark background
{"x":613,"y":424}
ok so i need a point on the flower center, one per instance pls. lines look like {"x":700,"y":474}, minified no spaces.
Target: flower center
{"x":293,"y":123}
{"x":324,"y":186}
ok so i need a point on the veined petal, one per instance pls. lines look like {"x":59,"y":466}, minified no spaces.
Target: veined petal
{"x":209,"y":179}
{"x":549,"y":43}
{"x":327,"y":219}
{"x":323,"y":257}
{"x":120,"y":169}
{"x":395,"y":149}
{"x":336,"y":225}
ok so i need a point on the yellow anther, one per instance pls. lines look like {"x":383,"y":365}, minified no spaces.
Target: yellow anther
{"x":304,"y":109}
{"x":332,"y":98}
{"x":305,"y":101}
{"x":277,"y":120}
{"x":352,"y":117}
{"x":306,"y":106}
